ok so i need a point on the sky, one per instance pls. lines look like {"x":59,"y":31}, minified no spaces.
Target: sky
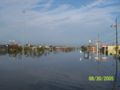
{"x":61,"y":22}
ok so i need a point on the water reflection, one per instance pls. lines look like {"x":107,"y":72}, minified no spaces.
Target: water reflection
{"x":34,"y":51}
{"x":102,"y":58}
{"x":94,"y":56}
{"x":58,"y":70}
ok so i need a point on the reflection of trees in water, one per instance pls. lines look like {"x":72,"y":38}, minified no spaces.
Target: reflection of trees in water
{"x":14,"y":51}
{"x":3,"y":53}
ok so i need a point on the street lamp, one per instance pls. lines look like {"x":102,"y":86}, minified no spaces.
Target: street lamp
{"x":116,"y":66}
{"x":116,"y":28}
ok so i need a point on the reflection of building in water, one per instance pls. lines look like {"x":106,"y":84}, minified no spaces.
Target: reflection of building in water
{"x":14,"y":49}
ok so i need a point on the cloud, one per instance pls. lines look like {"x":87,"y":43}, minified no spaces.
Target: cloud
{"x":61,"y":25}
{"x":94,"y":4}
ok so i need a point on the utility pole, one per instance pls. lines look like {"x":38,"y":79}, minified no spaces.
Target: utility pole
{"x":115,"y":80}
{"x":116,"y":27}
{"x":98,"y":48}
{"x":117,"y":46}
{"x":116,"y":36}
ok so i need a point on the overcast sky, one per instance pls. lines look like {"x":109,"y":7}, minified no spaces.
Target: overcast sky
{"x":65,"y":22}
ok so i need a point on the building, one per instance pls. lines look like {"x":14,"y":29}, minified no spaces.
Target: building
{"x":104,"y":49}
{"x":112,"y":49}
{"x":92,"y":48}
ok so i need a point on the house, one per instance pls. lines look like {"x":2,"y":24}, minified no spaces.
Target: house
{"x":92,"y":48}
{"x":104,"y":49}
{"x":112,"y":49}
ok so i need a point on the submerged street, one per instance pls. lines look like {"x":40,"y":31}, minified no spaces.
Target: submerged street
{"x":57,"y":71}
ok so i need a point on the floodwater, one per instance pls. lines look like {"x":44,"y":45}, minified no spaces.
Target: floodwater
{"x":57,"y":71}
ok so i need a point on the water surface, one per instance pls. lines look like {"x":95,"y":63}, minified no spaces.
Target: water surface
{"x":56,"y":71}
